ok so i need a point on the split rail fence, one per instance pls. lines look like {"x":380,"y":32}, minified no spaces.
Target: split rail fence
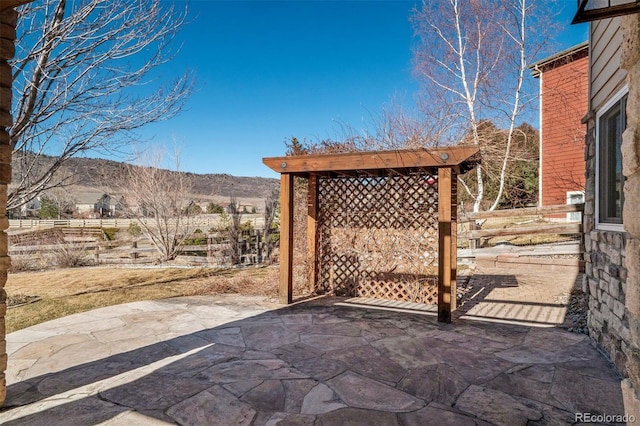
{"x":90,"y":245}
{"x":534,"y":222}
{"x":200,"y":221}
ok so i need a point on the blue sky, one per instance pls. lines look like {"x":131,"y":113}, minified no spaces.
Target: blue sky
{"x":267,"y":71}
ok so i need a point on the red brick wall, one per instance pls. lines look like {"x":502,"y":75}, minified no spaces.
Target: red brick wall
{"x":564,"y":103}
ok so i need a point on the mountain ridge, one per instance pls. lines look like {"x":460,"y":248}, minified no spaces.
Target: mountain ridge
{"x":89,"y":174}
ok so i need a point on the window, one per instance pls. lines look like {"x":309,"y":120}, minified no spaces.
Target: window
{"x":611,"y":124}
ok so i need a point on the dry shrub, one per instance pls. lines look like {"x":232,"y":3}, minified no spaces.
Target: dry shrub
{"x":20,"y":299}
{"x":403,"y":250}
{"x":65,"y":255}
{"x":301,"y":283}
{"x":21,"y":263}
{"x":24,"y":261}
{"x":254,"y":281}
{"x":68,"y":255}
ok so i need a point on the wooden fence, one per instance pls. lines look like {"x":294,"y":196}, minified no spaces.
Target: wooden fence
{"x":531,"y":221}
{"x":205,"y":222}
{"x":200,"y":248}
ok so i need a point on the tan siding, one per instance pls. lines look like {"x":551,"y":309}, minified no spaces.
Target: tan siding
{"x":607,"y":44}
{"x":602,"y":34}
{"x":606,"y":76}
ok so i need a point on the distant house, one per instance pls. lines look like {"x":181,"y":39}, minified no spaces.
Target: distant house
{"x":31,"y":208}
{"x":247,"y":208}
{"x":242,"y":208}
{"x":564,"y":91}
{"x":95,"y":204}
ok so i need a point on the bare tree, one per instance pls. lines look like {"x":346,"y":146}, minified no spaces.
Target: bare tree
{"x":82,"y":83}
{"x":270,"y":208}
{"x":472,"y":58}
{"x":394,"y":127}
{"x":234,"y":231}
{"x":63,"y":200}
{"x":159,"y":198}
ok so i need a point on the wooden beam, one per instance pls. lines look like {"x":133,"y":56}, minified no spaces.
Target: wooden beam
{"x":349,"y":173}
{"x":453,"y":283}
{"x":286,"y":239}
{"x":6,"y":4}
{"x":446,"y":264}
{"x":527,"y":211}
{"x":609,"y":11}
{"x":549,"y":229}
{"x":373,"y":160}
{"x":312,"y":230}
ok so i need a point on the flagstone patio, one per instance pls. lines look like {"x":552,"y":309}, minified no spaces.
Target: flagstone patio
{"x":241,"y":360}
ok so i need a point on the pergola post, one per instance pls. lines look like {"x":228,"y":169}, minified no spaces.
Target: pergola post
{"x":286,"y":238}
{"x":312,"y":227}
{"x":447,"y":252}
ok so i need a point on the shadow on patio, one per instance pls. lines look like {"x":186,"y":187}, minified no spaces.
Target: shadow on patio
{"x":321,"y":361}
{"x":531,"y":298}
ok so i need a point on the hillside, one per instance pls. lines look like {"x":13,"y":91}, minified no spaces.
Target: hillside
{"x":95,"y":174}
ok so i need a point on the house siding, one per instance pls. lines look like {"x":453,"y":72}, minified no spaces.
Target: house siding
{"x":605,"y":278}
{"x":606,"y":76}
{"x":564,"y":102}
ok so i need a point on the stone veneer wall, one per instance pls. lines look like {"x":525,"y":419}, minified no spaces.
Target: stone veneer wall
{"x":605,"y":272}
{"x":8,"y":19}
{"x":630,"y":61}
{"x":612,"y":269}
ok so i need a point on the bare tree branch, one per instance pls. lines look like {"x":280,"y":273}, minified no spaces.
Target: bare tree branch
{"x":472,"y":57}
{"x":84,"y":82}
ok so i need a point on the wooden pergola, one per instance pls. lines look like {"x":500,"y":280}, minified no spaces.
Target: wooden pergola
{"x":444,"y":164}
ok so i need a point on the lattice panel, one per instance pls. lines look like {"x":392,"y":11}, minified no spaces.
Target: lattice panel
{"x":378,"y":237}
{"x":403,"y":287}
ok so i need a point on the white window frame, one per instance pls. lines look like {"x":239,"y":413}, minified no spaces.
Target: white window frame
{"x":603,"y":226}
{"x":574,"y":216}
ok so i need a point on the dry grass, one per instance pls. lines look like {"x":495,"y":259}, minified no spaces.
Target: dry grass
{"x":68,"y":291}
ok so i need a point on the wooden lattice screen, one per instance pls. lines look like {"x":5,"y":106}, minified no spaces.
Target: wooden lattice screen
{"x":380,"y":224}
{"x":378,"y":237}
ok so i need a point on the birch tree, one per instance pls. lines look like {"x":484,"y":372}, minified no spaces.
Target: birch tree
{"x":472,"y":58}
{"x":85,"y":80}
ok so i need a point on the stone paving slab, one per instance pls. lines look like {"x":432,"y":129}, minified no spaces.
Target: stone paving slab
{"x":330,"y":361}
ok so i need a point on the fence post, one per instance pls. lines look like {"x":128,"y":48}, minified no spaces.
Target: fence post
{"x":242,"y":249}
{"x":473,"y":242}
{"x":134,"y":254}
{"x":259,"y":246}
